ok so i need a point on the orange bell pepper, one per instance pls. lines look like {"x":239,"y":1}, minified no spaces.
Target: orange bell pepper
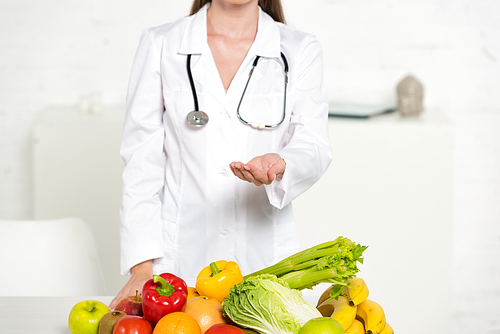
{"x":215,"y":280}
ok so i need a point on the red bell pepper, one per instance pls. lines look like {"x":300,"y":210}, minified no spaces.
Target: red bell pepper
{"x":163,"y":294}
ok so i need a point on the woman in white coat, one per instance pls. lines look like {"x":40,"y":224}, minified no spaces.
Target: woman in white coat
{"x":184,"y":200}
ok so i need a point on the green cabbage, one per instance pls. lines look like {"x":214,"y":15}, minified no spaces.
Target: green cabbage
{"x":268,"y":305}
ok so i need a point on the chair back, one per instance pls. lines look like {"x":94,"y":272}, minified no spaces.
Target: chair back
{"x":49,"y":258}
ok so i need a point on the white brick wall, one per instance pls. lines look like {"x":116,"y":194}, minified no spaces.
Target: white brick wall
{"x":56,"y":52}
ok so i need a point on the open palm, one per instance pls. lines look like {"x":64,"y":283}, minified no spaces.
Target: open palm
{"x":263,"y":169}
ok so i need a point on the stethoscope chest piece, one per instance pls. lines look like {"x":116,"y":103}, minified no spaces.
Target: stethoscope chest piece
{"x":197,"y":118}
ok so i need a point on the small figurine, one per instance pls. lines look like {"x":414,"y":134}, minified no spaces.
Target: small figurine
{"x":410,"y":96}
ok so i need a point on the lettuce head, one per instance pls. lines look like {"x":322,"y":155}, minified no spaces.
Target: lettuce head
{"x":268,"y":305}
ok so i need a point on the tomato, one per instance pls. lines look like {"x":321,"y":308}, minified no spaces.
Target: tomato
{"x":224,"y":329}
{"x":132,"y":324}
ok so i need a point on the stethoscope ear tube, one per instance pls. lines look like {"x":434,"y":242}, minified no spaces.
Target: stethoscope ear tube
{"x":253,"y":125}
{"x":196,"y":117}
{"x":285,"y":63}
{"x":256,"y":125}
{"x":191,"y":82}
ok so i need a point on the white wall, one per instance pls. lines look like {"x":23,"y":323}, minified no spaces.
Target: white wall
{"x":54,"y":53}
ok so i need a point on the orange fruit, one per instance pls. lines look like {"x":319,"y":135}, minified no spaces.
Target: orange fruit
{"x":177,"y":323}
{"x":191,"y":293}
{"x":207,"y":312}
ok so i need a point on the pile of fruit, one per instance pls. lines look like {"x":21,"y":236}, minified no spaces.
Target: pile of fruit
{"x":268,"y":301}
{"x":354,"y":311}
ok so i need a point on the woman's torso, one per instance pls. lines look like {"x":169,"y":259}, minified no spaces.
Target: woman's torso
{"x":208,"y":214}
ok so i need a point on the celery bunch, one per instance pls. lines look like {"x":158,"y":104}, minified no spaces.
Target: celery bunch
{"x":330,"y":262}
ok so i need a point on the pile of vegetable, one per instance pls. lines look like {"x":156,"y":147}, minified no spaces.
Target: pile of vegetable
{"x":270,"y":301}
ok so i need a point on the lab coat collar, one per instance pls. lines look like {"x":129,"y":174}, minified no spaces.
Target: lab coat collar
{"x":266,"y":44}
{"x":194,"y":40}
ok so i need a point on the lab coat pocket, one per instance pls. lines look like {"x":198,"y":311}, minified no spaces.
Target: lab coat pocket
{"x":177,"y":106}
{"x":178,"y":103}
{"x":262,"y":109}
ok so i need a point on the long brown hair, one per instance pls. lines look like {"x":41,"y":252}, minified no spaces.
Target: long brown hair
{"x":271,"y":7}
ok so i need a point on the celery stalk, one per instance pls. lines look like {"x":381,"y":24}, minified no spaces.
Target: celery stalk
{"x":329,"y":262}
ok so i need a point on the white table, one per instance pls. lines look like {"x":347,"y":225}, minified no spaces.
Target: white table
{"x":44,"y":315}
{"x":41,"y":315}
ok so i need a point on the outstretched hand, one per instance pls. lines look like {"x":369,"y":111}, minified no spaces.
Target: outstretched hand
{"x":260,"y":170}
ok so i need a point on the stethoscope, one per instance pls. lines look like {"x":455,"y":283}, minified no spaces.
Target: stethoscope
{"x":199,"y":118}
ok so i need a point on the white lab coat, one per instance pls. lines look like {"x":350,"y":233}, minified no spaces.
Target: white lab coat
{"x":181,"y":204}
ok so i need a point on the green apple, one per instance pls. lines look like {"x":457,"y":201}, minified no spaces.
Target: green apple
{"x":84,"y":317}
{"x":322,"y":325}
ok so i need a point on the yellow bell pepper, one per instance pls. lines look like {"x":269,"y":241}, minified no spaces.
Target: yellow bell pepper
{"x":215,"y":280}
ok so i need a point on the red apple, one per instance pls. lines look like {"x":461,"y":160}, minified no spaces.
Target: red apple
{"x":132,"y":324}
{"x":130,"y":305}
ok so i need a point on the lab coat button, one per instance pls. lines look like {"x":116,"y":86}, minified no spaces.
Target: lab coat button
{"x":224,"y":233}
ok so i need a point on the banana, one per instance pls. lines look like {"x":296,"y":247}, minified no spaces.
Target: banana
{"x":339,"y":310}
{"x":356,"y":328}
{"x":387,"y":329}
{"x":372,"y":316}
{"x":356,"y":291}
